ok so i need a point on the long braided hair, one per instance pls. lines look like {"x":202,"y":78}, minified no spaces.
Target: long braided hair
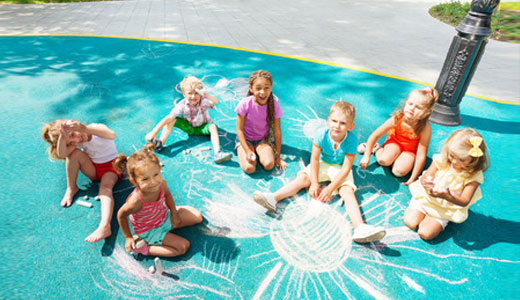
{"x":270,"y":100}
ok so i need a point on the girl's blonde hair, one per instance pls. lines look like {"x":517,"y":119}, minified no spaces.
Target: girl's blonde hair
{"x":138,"y":159}
{"x":344,"y":107}
{"x":459,"y":145}
{"x":430,"y":95}
{"x":191,"y":82}
{"x":270,"y":100}
{"x":50,"y":134}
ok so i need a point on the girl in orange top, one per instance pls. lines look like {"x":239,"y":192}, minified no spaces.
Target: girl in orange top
{"x":408,"y":138}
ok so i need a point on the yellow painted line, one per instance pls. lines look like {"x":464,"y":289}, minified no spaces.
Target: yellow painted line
{"x":261,"y":52}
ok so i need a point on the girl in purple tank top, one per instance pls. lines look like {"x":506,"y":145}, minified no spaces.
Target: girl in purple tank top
{"x":151,"y":208}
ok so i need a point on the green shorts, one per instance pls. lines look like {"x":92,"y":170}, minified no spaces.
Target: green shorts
{"x":185,"y":126}
{"x":155,"y":236}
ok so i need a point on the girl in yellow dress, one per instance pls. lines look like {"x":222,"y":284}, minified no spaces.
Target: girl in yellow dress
{"x":450,"y":186}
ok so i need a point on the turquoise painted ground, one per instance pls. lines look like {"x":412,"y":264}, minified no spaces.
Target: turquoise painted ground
{"x":240,"y":252}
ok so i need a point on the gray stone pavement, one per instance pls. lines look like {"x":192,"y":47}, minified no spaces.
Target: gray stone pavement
{"x":394,"y":37}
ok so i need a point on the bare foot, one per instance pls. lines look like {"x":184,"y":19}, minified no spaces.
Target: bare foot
{"x":69,"y":195}
{"x":99,"y":234}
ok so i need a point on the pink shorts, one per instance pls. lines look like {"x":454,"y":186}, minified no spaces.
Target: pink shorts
{"x":102,"y":169}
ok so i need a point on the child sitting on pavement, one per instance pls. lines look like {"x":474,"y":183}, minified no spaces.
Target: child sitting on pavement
{"x":333,"y":153}
{"x":195,"y":118}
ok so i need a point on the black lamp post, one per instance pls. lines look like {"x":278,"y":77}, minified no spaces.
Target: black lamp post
{"x":462,"y":60}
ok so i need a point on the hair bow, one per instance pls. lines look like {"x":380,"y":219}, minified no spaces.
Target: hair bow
{"x":428,"y":90}
{"x":475,"y":151}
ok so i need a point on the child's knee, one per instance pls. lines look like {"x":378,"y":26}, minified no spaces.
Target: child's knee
{"x":249,"y":169}
{"x":426,"y":233}
{"x":184,"y":247}
{"x":399,"y":172}
{"x":384,"y":161}
{"x":198,"y":217}
{"x":409,"y":222}
{"x":269,"y":165}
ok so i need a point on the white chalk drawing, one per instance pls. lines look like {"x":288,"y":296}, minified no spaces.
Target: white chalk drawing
{"x":157,"y":50}
{"x":125,"y":278}
{"x":308,"y":125}
{"x":306,"y":247}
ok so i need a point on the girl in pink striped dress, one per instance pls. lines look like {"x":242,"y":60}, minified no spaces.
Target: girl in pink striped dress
{"x":151,"y":208}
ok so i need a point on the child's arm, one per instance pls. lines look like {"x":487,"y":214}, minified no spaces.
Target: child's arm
{"x":133,"y":205}
{"x":241,"y":120}
{"x":277,"y":131}
{"x":166,"y":120}
{"x":211,"y":98}
{"x":372,"y":139}
{"x":422,"y":150}
{"x":100,"y":130}
{"x":63,"y":148}
{"x":315,"y":168}
{"x":346,"y":167}
{"x":175,"y":218}
{"x":463,"y":199}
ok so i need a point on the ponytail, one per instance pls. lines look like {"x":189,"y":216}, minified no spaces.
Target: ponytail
{"x":51,"y":134}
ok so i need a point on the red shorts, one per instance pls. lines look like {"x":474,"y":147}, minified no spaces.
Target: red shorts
{"x":402,"y":147}
{"x":102,"y":169}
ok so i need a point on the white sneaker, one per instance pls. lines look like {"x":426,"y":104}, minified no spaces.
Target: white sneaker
{"x":265,"y":200}
{"x":222,"y":156}
{"x":367,"y":233}
{"x":363,"y":147}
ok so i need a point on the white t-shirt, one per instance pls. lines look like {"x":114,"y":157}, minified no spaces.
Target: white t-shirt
{"x":100,"y":150}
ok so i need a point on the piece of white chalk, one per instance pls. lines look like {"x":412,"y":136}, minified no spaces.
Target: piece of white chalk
{"x":83,"y":203}
{"x":97,"y":198}
{"x":205,"y":148}
{"x":85,"y":197}
{"x":188,"y":150}
{"x":158,"y":265}
{"x":151,"y":269}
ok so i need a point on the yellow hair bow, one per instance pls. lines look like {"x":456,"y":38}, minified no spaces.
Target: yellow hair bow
{"x":475,"y":151}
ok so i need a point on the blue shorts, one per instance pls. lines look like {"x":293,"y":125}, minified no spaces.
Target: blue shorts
{"x":155,"y":236}
{"x":252,"y":143}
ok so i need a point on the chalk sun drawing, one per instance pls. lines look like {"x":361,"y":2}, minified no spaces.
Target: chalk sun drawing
{"x":313,"y":256}
{"x":308,"y":125}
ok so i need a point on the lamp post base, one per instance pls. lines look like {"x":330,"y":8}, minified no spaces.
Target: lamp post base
{"x":445,"y":115}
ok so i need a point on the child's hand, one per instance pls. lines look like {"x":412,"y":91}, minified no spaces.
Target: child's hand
{"x":251,"y":157}
{"x":176,"y":221}
{"x":364,"y":161}
{"x":428,"y":183}
{"x":439,"y":192}
{"x":314,"y":190}
{"x":325,"y":194}
{"x":129,"y":244}
{"x":280,"y":163}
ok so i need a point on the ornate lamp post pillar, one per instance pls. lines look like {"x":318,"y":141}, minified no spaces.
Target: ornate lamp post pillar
{"x":462,"y":60}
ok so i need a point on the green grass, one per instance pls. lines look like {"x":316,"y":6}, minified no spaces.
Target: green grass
{"x":505,"y":23}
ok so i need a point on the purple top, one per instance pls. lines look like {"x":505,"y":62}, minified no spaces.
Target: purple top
{"x":255,"y":126}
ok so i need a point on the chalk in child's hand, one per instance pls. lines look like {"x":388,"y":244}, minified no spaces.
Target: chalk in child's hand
{"x":253,"y":156}
{"x":85,"y":197}
{"x":151,"y":269}
{"x":158,"y":265}
{"x":97,"y":198}
{"x":205,"y":149}
{"x":83,"y":203}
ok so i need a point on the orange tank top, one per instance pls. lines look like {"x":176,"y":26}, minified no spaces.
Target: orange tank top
{"x":408,"y":140}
